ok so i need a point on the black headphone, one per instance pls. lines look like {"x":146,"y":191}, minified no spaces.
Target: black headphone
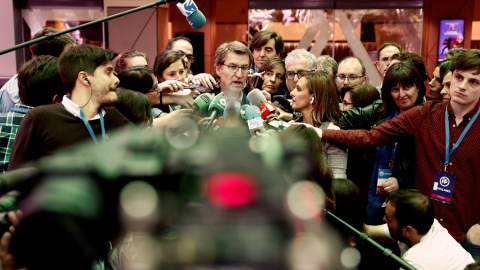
{"x":86,"y":79}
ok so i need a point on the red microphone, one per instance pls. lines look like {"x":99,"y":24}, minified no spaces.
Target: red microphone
{"x":258,"y":99}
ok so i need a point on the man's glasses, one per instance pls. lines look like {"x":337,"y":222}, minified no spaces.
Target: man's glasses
{"x":350,"y":78}
{"x":234,"y":68}
{"x":189,"y":57}
{"x":290,"y":75}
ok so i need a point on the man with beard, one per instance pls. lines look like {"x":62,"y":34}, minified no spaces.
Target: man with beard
{"x":424,"y":243}
{"x":87,"y":73}
{"x":351,"y":72}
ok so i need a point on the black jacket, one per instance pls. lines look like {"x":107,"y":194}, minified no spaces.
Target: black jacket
{"x":369,"y":117}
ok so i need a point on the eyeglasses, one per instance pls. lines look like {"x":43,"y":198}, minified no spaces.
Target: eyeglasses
{"x":189,"y":57}
{"x":290,"y":75}
{"x":350,"y":78}
{"x":154,"y":89}
{"x":345,"y":104}
{"x":234,"y":68}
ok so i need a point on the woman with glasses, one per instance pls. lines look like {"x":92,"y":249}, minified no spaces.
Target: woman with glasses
{"x":142,"y":79}
{"x":316,"y":98}
{"x":359,"y":96}
{"x":402,"y":89}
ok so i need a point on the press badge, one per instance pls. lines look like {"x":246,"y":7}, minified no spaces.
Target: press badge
{"x":383,"y":175}
{"x":443,"y":187}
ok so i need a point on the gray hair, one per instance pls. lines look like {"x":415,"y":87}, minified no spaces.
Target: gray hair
{"x":302,"y":53}
{"x":327,"y":64}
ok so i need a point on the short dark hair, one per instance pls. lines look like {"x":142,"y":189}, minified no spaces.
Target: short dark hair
{"x":81,"y":58}
{"x":355,"y":58}
{"x":261,"y":38}
{"x":51,"y":46}
{"x":444,"y":68}
{"x":387,"y":44}
{"x":122,"y":61}
{"x":39,"y":81}
{"x":137,"y":78}
{"x":466,"y":60}
{"x":416,"y":60}
{"x":364,"y":94}
{"x":405,"y":74}
{"x":135,"y":106}
{"x":413,"y":208}
{"x":164,"y":59}
{"x":175,"y":39}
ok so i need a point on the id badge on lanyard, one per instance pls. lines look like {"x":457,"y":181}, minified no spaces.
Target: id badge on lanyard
{"x":443,"y":185}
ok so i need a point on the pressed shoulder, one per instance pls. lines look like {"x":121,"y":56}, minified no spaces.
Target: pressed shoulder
{"x":46,"y":108}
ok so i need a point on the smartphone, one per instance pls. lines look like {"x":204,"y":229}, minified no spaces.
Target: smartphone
{"x":284,"y":102}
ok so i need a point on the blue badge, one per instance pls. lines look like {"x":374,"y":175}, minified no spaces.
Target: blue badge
{"x":383,"y":175}
{"x":443,"y":187}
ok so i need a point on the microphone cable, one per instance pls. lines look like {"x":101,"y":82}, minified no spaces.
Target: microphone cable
{"x":363,"y":236}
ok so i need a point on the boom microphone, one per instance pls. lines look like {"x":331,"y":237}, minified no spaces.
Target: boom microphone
{"x":195,"y":17}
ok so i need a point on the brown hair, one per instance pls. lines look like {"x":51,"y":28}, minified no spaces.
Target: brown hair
{"x":235,"y":47}
{"x":261,"y":38}
{"x":164,"y":59}
{"x":325,"y":108}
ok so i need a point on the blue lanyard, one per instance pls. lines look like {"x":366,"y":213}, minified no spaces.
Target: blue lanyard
{"x":20,"y":110}
{"x":449,"y":153}
{"x":90,"y":130}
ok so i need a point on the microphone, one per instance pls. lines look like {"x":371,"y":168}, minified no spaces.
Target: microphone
{"x":216,"y":108}
{"x":195,"y":17}
{"x":256,"y":98}
{"x":231,"y":114}
{"x":242,"y":111}
{"x":266,"y":107}
{"x":18,"y":179}
{"x":201,"y":103}
{"x":254,"y":120}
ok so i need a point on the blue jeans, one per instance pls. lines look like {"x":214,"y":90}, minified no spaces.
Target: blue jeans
{"x":471,"y":248}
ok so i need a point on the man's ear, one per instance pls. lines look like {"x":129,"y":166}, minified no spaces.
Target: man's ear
{"x":218,"y":70}
{"x":57,"y":99}
{"x":408,"y":230}
{"x":277,"y":55}
{"x":377,"y":65}
{"x":82,"y":76}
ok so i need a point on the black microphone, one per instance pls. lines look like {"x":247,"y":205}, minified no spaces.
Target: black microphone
{"x":17,"y":179}
{"x":195,"y":17}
